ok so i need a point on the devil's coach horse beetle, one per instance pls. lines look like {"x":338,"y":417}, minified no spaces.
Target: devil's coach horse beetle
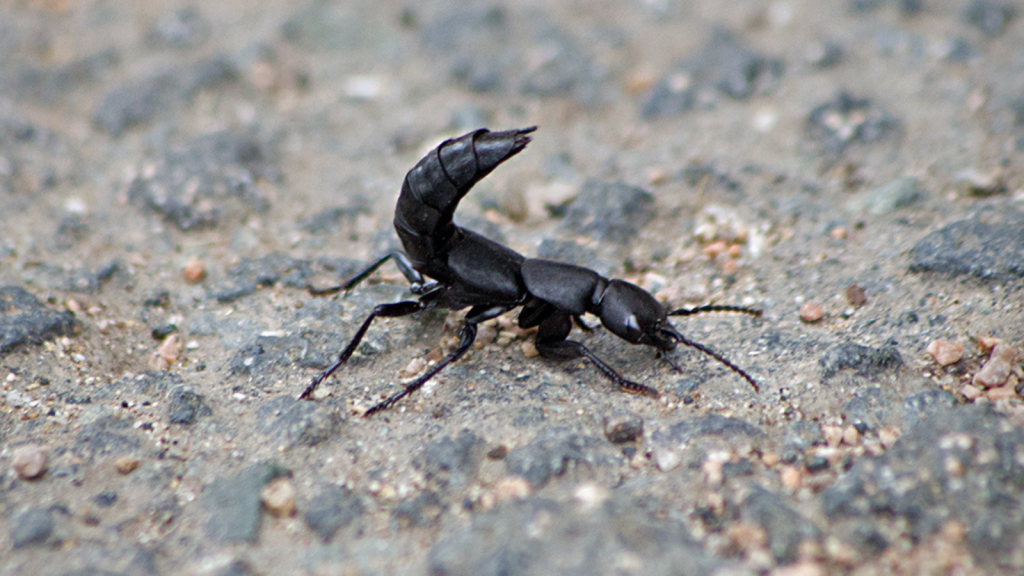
{"x":467,"y":270}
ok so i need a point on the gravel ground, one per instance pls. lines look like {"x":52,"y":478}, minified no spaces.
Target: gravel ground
{"x":173,"y":178}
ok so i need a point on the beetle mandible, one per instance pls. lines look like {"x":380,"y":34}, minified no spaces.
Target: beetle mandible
{"x":455,"y":268}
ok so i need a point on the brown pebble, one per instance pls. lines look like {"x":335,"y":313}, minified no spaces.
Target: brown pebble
{"x":194,"y":271}
{"x":278,"y":498}
{"x":126,"y":464}
{"x":851,"y":437}
{"x":811,"y":312}
{"x":529,"y":349}
{"x":714,"y":249}
{"x":855,"y":295}
{"x":735,"y":250}
{"x":511,"y":488}
{"x":839,"y":233}
{"x":791,"y":477}
{"x":623,"y":427}
{"x":166,"y":354}
{"x":833,"y":435}
{"x":730,"y":266}
{"x":414,"y":367}
{"x":888,"y":436}
{"x":29,"y":461}
{"x":945,"y":352}
{"x":970,"y":392}
{"x":987,"y":343}
{"x":998,"y":368}
{"x":1004,"y":392}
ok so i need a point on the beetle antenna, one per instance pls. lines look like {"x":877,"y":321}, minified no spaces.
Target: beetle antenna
{"x":683,"y":340}
{"x":715,"y":308}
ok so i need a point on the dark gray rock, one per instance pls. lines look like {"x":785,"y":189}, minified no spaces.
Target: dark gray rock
{"x":331,"y":510}
{"x":922,"y":405}
{"x":846,"y":120}
{"x":234,"y":503}
{"x":452,"y":462}
{"x":708,"y":425}
{"x":190,"y":185}
{"x":800,"y":435}
{"x":871,"y":408}
{"x":990,"y":17}
{"x":572,"y":540}
{"x":186,"y":406}
{"x":786,"y":528}
{"x":111,"y":433}
{"x":32,"y":527}
{"x":865,"y":360}
{"x":141,"y":100}
{"x":959,"y":464}
{"x":237,"y":568}
{"x":988,"y":246}
{"x":297,"y":423}
{"x":609,"y":211}
{"x":476,"y":41}
{"x":722,"y":66}
{"x":50,"y":85}
{"x":25,"y":320}
{"x":559,"y":453}
{"x":105,"y":499}
{"x":250,"y":274}
{"x":181,"y":29}
{"x":622,"y":426}
{"x":423,"y":510}
{"x":567,"y":71}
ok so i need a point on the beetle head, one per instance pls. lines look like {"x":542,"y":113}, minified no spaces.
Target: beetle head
{"x":632,"y":314}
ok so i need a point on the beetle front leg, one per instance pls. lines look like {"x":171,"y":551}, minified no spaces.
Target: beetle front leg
{"x":552,"y":344}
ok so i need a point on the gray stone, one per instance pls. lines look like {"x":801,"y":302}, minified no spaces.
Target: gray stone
{"x":234,"y":503}
{"x":331,"y":510}
{"x":186,"y":406}
{"x":865,"y":360}
{"x":452,"y":462}
{"x":25,"y":320}
{"x":572,"y":540}
{"x":190,"y":186}
{"x":786,"y":528}
{"x":609,"y":211}
{"x":846,"y":120}
{"x":297,"y":423}
{"x":990,"y":17}
{"x":899,"y":193}
{"x":557,"y":453}
{"x":32,"y":527}
{"x":722,"y":66}
{"x":989,"y":246}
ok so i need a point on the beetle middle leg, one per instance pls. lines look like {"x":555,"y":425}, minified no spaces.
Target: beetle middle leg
{"x":467,"y":335}
{"x":552,"y":344}
{"x":394,"y":310}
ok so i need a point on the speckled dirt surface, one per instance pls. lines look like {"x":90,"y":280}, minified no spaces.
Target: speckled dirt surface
{"x":172,"y":177}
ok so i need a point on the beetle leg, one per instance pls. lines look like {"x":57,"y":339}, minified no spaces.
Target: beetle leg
{"x":551,"y":343}
{"x":467,"y":335}
{"x":401,"y":261}
{"x":384,"y":310}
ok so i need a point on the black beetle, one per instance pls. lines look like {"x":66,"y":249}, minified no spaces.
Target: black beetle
{"x":466,"y":270}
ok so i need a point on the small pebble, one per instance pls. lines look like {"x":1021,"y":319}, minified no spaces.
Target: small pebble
{"x":888,"y":436}
{"x":194,"y":271}
{"x":591,"y":495}
{"x":166,"y":354}
{"x":29,"y":461}
{"x":791,"y":477}
{"x":623,"y":427}
{"x":811,"y":312}
{"x":126,"y":464}
{"x":945,"y":352}
{"x":839,"y":233}
{"x":809,"y":568}
{"x":278,"y":498}
{"x":970,"y":392}
{"x":1004,"y":392}
{"x":529,"y":349}
{"x":714,"y":249}
{"x":997,"y":370}
{"x":730,"y":266}
{"x":511,"y":488}
{"x":851,"y":436}
{"x":833,"y":435}
{"x":855,"y":295}
{"x":414,"y":367}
